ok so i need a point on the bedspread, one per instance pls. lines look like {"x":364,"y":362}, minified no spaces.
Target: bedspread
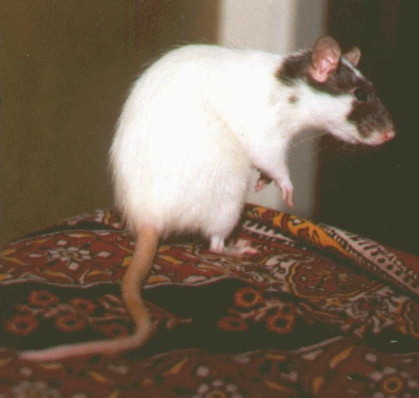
{"x":318,"y":312}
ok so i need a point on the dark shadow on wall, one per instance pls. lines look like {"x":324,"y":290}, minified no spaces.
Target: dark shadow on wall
{"x":65,"y":68}
{"x":374,"y":192}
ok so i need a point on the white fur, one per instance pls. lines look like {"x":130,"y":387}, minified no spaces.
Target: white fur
{"x":194,"y":125}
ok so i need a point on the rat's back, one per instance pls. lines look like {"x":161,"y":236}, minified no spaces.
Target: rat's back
{"x":176,"y":164}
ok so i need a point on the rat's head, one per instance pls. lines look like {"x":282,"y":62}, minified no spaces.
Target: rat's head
{"x":355,"y":114}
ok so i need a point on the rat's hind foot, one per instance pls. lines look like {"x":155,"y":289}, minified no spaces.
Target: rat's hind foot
{"x":241,"y":248}
{"x":238,"y":249}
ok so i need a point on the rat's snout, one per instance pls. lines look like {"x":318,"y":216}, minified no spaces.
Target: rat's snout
{"x":388,"y":135}
{"x":380,"y":137}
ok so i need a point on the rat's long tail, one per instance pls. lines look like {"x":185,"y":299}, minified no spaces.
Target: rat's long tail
{"x":145,"y":251}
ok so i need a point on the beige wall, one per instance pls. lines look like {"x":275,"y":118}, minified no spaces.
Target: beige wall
{"x":279,"y":26}
{"x":65,"y":66}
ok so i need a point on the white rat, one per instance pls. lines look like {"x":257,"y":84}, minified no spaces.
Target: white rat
{"x":195,"y":124}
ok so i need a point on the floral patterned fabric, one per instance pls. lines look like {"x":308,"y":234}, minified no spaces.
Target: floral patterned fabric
{"x":318,"y":312}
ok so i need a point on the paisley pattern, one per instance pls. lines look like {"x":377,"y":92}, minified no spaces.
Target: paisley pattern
{"x":317,"y":312}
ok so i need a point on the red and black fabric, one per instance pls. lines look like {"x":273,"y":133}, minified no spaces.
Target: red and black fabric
{"x":319,"y":312}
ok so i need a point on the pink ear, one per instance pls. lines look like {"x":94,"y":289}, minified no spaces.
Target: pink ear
{"x":325,"y":58}
{"x":353,"y":56}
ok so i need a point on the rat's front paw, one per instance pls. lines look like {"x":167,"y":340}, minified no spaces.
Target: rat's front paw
{"x":262,"y":181}
{"x":287,"y":192}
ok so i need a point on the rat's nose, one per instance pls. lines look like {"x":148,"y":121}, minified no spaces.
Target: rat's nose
{"x":388,"y":135}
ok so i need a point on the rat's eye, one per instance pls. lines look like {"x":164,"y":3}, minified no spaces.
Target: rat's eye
{"x":361,"y":94}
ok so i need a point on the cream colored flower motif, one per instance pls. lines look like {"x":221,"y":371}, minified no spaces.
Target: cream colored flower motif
{"x":71,"y":255}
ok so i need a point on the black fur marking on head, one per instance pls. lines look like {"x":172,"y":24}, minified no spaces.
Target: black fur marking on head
{"x":296,"y":67}
{"x":370,"y":116}
{"x":367,"y":113}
